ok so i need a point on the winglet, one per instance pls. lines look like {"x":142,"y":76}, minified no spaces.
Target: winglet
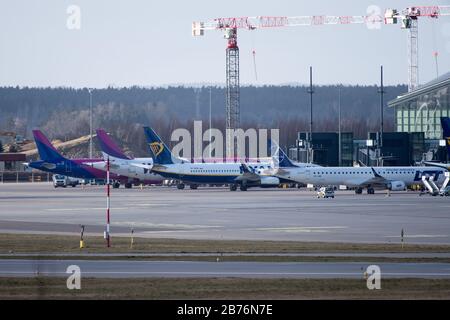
{"x":245,"y":168}
{"x":375,"y":173}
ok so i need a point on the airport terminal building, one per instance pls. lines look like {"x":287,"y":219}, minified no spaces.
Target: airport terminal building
{"x":417,"y":136}
{"x":421,"y":109}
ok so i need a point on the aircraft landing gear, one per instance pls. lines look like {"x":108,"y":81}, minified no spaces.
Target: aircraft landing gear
{"x":180,"y":186}
{"x":193,"y":186}
{"x":358,"y":190}
{"x":233,"y":187}
{"x":243,"y":188}
{"x":370,"y":190}
{"x":116,"y":185}
{"x":128,"y":185}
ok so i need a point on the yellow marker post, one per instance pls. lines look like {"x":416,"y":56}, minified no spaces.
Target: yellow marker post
{"x":81,"y":237}
{"x":132,"y":238}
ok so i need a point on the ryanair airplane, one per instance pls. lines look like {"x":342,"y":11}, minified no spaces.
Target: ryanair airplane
{"x":234,"y":174}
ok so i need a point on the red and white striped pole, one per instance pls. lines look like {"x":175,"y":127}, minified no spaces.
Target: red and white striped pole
{"x":107,"y":236}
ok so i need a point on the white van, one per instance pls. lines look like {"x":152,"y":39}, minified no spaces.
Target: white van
{"x":63,"y":181}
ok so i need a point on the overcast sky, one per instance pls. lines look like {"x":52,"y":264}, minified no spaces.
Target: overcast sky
{"x":149,"y":43}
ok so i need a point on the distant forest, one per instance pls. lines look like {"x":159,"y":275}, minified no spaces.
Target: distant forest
{"x":63,"y":113}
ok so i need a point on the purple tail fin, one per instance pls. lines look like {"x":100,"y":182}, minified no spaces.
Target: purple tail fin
{"x":108,"y":146}
{"x":47,"y":151}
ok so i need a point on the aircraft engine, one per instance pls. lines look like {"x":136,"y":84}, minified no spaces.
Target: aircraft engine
{"x":269,"y":181}
{"x":397,"y":186}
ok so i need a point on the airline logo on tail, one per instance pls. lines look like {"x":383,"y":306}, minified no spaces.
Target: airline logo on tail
{"x":157,"y":148}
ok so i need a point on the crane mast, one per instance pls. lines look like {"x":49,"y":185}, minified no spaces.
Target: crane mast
{"x":408,"y":17}
{"x":232,"y":90}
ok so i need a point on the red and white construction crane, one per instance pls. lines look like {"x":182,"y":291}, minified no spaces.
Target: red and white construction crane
{"x":407,"y":17}
{"x":230,"y":25}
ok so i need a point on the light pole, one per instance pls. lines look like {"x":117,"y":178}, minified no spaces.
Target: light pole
{"x":310,"y":91}
{"x":210,"y":103}
{"x":380,"y":139}
{"x":90,"y":123}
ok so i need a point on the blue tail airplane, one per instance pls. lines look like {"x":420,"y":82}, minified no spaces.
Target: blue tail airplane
{"x":255,"y":174}
{"x":52,"y":161}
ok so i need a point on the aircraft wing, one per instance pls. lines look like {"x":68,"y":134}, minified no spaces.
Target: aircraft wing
{"x":158,"y":167}
{"x":247,"y":174}
{"x":437,"y":164}
{"x":142,"y":166}
{"x":101,"y":165}
{"x":282,"y":172}
{"x":376,"y":180}
{"x":147,"y":168}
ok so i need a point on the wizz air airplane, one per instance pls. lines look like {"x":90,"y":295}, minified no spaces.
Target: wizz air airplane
{"x":233,"y":174}
{"x":391,"y":178}
{"x":138,"y":170}
{"x":52,"y":161}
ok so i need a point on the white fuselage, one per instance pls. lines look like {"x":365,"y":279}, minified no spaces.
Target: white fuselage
{"x":360,"y":176}
{"x":212,"y":172}
{"x":137,"y":168}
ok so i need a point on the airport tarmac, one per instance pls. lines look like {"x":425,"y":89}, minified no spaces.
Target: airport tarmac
{"x":187,"y":269}
{"x":218,"y":214}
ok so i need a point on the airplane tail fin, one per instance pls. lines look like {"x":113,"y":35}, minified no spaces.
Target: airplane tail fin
{"x":108,"y":146}
{"x":445,"y":122}
{"x":279,"y":155}
{"x":161,"y":154}
{"x":47,"y":151}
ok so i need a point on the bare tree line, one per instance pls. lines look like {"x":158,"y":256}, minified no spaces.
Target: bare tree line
{"x":63,"y":113}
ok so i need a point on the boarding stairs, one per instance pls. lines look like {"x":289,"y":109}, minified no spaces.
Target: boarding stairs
{"x":428,"y":182}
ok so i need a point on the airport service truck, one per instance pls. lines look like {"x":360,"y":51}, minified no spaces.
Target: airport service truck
{"x":64,"y":181}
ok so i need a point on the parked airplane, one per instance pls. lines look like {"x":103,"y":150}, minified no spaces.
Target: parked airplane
{"x":392,"y":178}
{"x":233,"y":174}
{"x":52,"y":161}
{"x":137,"y":169}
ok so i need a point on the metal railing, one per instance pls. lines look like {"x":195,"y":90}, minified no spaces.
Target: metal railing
{"x":20,"y":176}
